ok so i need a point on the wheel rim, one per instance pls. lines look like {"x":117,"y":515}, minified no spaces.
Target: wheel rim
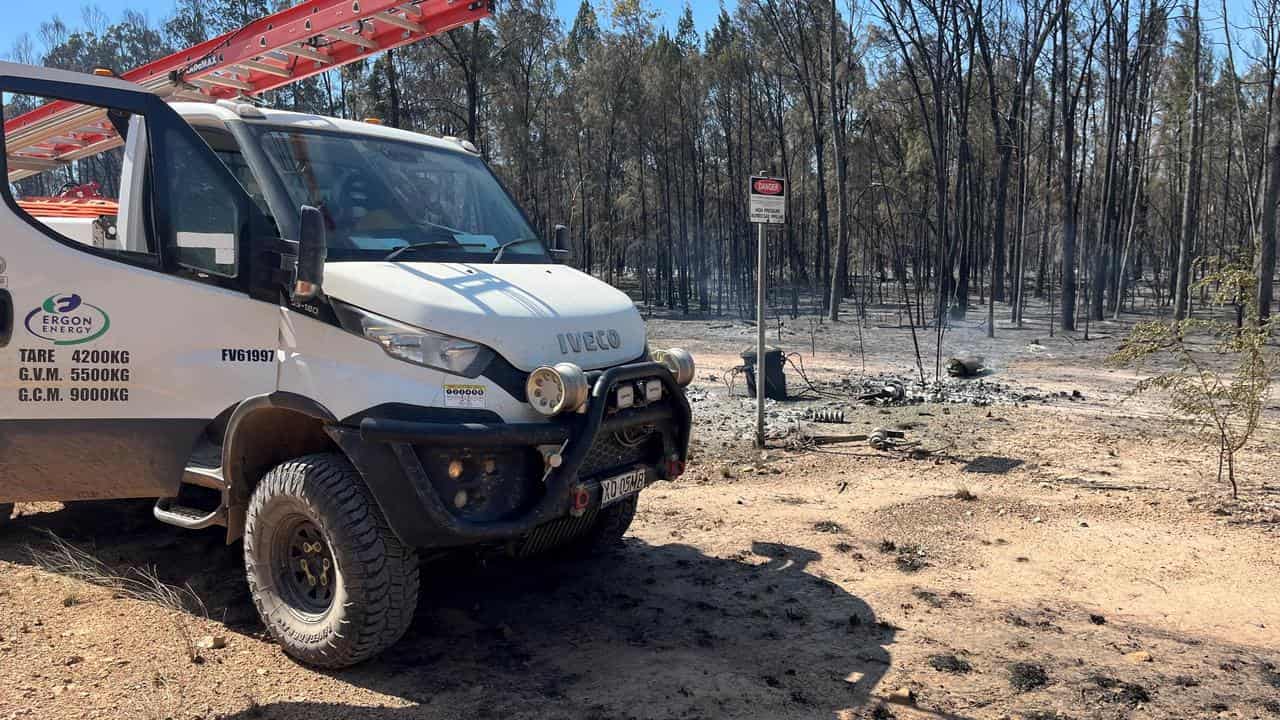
{"x":306,"y":574}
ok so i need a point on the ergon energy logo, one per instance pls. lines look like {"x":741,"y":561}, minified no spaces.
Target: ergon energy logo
{"x":66,"y":319}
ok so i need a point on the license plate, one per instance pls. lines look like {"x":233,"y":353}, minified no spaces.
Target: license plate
{"x":622,"y":486}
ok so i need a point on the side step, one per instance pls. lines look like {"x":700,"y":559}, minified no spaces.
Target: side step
{"x":167,"y":510}
{"x":185,"y":517}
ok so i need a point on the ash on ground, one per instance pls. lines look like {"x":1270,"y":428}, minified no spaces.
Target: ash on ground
{"x":979,"y":392}
{"x":849,"y":405}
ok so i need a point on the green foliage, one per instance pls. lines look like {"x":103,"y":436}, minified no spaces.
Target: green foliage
{"x":121,"y":46}
{"x":189,"y":24}
{"x":1217,"y":374}
{"x":584,"y":35}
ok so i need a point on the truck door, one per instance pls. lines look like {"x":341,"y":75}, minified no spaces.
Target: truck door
{"x":126,"y":321}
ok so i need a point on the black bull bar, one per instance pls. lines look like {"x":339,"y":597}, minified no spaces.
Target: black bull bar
{"x":382,"y":450}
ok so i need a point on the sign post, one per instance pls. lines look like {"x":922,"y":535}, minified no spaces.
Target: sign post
{"x":768,"y":206}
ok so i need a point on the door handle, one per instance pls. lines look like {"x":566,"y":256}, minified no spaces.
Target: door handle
{"x":6,"y":318}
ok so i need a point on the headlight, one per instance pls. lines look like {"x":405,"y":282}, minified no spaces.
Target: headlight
{"x":418,"y":346}
{"x":559,"y":389}
{"x":679,"y":362}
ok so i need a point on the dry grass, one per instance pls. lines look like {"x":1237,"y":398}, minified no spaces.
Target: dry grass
{"x":63,"y":558}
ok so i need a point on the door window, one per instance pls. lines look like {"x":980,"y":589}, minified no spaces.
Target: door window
{"x":86,"y":177}
{"x":205,"y":217}
{"x":74,"y":178}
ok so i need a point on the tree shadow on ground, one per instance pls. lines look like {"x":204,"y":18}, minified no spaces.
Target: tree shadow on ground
{"x":992,"y":465}
{"x":643,"y":631}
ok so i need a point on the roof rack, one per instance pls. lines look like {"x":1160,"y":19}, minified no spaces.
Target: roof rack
{"x":307,"y":39}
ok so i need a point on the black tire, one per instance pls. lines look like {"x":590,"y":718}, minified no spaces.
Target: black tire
{"x":611,"y":524}
{"x":320,"y":503}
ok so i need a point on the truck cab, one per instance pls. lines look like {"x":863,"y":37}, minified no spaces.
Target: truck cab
{"x":343,"y":343}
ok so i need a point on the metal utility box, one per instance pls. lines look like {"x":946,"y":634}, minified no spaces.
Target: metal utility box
{"x":775,"y":380}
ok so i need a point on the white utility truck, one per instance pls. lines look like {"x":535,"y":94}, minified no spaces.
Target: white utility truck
{"x":342,"y":342}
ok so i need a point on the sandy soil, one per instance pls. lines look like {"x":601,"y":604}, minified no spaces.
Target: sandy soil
{"x":1092,"y":569}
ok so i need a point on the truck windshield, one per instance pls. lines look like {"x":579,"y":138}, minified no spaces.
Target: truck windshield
{"x":381,"y":196}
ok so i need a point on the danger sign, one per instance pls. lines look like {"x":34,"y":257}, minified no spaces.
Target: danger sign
{"x":768,"y":204}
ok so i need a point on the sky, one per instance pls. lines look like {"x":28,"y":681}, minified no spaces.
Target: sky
{"x":25,"y":16}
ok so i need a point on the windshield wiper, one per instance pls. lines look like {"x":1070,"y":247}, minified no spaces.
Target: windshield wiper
{"x":419,"y":246}
{"x":502,"y":249}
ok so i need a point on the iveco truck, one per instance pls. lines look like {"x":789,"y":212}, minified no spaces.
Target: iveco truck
{"x":343,"y":343}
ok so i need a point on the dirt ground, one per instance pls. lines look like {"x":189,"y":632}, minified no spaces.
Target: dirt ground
{"x":1051,"y":549}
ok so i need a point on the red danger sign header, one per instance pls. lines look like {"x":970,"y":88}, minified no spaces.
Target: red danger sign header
{"x":768,"y":186}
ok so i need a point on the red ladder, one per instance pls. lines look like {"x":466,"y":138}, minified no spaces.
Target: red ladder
{"x":309,"y":38}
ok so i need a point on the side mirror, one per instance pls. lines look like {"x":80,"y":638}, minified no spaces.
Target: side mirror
{"x":560,"y":243}
{"x":313,"y":250}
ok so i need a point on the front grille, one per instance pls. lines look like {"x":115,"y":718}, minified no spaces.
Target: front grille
{"x":609,"y":452}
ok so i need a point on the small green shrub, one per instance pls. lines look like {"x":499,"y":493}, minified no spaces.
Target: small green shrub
{"x":1221,"y":371}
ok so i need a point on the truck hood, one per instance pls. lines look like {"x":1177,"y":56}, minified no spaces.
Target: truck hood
{"x":532,"y":315}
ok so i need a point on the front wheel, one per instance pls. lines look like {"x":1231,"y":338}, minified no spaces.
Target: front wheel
{"x":330,"y":580}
